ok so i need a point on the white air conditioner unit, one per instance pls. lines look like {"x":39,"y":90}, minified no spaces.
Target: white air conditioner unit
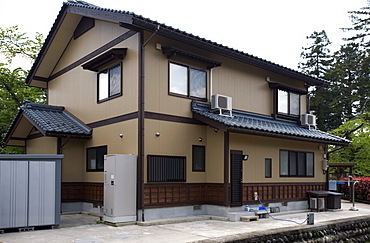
{"x":313,"y":203}
{"x":221,"y":103}
{"x":321,"y":203}
{"x":308,"y":120}
{"x":317,"y":203}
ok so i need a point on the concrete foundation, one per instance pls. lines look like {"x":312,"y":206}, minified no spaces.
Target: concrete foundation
{"x":81,"y":207}
{"x":231,"y":213}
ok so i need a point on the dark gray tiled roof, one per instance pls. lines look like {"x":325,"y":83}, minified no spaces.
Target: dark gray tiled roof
{"x":139,"y":21}
{"x":54,"y":120}
{"x":246,"y":122}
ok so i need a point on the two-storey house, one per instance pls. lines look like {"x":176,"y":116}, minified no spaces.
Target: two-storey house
{"x":210,"y":125}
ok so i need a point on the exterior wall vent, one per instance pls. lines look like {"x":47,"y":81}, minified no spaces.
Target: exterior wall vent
{"x":308,"y":120}
{"x":222,"y":104}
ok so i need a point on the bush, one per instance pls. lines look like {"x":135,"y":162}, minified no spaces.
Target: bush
{"x":362,"y":188}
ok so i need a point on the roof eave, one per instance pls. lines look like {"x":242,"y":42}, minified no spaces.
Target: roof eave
{"x":46,"y":45}
{"x":116,"y":16}
{"x":12,"y":128}
{"x":286,"y":136}
{"x":221,"y":126}
{"x":68,"y":135}
{"x":184,"y":37}
{"x":128,"y":19}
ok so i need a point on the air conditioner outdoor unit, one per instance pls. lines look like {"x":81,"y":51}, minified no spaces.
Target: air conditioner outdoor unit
{"x":317,"y":203}
{"x":221,"y":103}
{"x":321,"y":203}
{"x":308,"y":120}
{"x":313,"y":203}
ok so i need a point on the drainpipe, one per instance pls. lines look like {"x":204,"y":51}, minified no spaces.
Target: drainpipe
{"x":210,"y":84}
{"x":140,"y":162}
{"x":141,"y":117}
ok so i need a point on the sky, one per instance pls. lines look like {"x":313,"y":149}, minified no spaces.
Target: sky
{"x":274,"y":30}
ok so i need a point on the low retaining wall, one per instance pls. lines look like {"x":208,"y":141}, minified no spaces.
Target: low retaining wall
{"x":346,"y":230}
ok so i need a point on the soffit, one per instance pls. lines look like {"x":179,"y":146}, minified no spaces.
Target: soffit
{"x":24,"y":128}
{"x":58,"y":45}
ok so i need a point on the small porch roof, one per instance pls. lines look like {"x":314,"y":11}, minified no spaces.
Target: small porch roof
{"x":48,"y":120}
{"x":256,"y":124}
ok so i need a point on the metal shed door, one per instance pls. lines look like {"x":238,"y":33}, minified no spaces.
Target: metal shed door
{"x":236,"y":177}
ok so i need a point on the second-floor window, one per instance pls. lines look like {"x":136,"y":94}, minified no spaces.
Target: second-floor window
{"x":288,"y":103}
{"x":110,"y":83}
{"x":187,"y":81}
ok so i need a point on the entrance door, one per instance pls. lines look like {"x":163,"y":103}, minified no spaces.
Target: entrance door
{"x":236,"y":177}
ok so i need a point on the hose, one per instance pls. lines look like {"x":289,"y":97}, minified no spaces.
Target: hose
{"x":288,"y":220}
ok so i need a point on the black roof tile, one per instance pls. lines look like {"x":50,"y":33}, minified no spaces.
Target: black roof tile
{"x":166,"y":30}
{"x":246,"y":122}
{"x":54,"y":120}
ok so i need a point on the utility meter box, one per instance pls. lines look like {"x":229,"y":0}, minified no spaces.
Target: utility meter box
{"x":120,"y":188}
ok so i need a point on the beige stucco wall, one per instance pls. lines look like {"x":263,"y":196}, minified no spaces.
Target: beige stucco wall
{"x":215,"y":156}
{"x":42,"y":145}
{"x":246,"y":84}
{"x":75,"y":150}
{"x":258,"y":148}
{"x":74,"y":161}
{"x":76,"y":89}
{"x":175,"y":139}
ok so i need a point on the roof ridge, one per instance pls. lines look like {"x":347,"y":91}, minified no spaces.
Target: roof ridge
{"x":37,"y":106}
{"x":223,"y":49}
{"x":78,"y":2}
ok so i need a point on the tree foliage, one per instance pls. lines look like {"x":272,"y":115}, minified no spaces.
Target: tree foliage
{"x":13,"y":90}
{"x":317,"y":62}
{"x":343,"y":107}
{"x":316,"y":55}
{"x":357,"y":131}
{"x":348,"y":81}
{"x":14,"y":43}
{"x":360,"y":26}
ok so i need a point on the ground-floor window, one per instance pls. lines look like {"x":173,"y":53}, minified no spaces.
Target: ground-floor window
{"x":296,"y":164}
{"x":199,"y":158}
{"x":166,"y":168}
{"x":268,"y":168}
{"x":95,"y":158}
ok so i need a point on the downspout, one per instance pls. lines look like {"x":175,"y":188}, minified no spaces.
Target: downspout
{"x":141,"y":117}
{"x":226,"y":169}
{"x":210,"y":84}
{"x":59,"y":145}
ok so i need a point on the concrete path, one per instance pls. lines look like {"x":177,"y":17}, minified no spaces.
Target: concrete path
{"x":82,"y":228}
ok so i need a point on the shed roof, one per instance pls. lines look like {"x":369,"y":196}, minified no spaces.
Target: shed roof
{"x":49,"y":121}
{"x":71,"y":9}
{"x":256,"y":124}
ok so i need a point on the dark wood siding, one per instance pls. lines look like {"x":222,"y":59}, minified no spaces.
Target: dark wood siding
{"x":181,"y":194}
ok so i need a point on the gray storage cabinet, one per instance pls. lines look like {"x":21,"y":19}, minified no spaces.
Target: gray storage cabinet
{"x":120,"y":188}
{"x":30,"y":190}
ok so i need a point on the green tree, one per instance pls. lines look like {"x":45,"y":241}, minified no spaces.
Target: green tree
{"x":317,"y":62}
{"x":360,"y":24}
{"x":348,"y":81}
{"x":358,"y":131}
{"x":316,"y":55}
{"x":13,"y":90}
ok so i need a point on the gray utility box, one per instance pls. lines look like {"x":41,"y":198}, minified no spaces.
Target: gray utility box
{"x":120,"y":188}
{"x":30,"y":190}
